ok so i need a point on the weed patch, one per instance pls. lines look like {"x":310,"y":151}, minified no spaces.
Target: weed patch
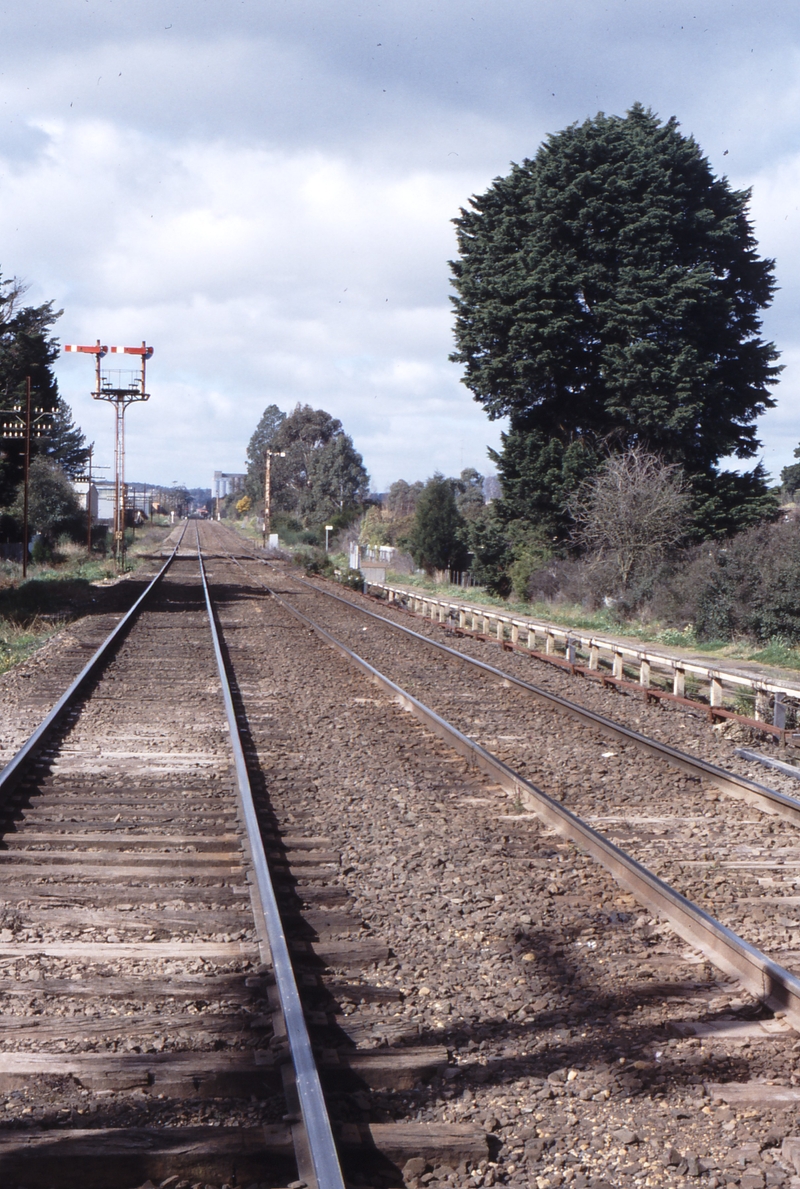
{"x":17,"y":643}
{"x":59,"y":591}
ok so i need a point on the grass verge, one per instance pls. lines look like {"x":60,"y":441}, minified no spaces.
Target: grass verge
{"x":56,"y":592}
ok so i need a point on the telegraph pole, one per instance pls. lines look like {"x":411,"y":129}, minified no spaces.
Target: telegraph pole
{"x":268,"y":490}
{"x":26,"y":474}
{"x":89,"y":505}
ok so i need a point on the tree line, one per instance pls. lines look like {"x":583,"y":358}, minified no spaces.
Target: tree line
{"x":431,"y":521}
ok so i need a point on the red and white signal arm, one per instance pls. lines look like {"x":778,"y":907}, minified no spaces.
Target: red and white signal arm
{"x":96,"y":349}
{"x":143,"y":350}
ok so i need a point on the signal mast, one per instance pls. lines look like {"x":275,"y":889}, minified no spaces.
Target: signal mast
{"x":120,"y":389}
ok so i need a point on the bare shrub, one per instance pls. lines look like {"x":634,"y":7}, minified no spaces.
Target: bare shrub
{"x":628,"y":516}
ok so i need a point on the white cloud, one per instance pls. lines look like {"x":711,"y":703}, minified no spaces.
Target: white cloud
{"x":246,"y":185}
{"x":258,"y":275}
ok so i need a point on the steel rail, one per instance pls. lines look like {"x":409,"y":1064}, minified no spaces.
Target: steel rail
{"x":765,"y":798}
{"x":317,"y":1124}
{"x":759,"y":974}
{"x":12,"y":769}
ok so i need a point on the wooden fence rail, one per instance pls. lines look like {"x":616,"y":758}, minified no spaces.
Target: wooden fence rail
{"x":645,"y":663}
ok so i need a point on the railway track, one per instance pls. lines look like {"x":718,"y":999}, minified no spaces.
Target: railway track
{"x":737,"y":876}
{"x":507,"y":704}
{"x":130,"y":965}
{"x":480,"y":1001}
{"x":156,"y":1024}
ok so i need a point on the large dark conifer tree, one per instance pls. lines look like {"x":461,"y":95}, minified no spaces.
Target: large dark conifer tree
{"x":65,"y":442}
{"x":26,"y":349}
{"x":608,"y":295}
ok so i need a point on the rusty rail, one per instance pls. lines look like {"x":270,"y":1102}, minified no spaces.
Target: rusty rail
{"x":317,"y":1144}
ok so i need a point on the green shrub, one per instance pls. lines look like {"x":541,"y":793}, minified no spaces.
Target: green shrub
{"x":352,"y":578}
{"x":316,"y":561}
{"x":747,"y":586}
{"x":42,"y":551}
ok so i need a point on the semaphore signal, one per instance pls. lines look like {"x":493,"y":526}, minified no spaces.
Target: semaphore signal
{"x":120,"y":396}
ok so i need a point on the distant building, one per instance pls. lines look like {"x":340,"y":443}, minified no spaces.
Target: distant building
{"x":139,"y":498}
{"x":226,"y":483}
{"x":101,"y":494}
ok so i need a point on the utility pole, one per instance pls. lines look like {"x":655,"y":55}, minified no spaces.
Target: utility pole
{"x":27,"y":475}
{"x":270,"y":454}
{"x":26,"y":426}
{"x":89,"y":505}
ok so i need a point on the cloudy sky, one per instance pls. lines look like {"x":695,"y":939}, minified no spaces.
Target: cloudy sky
{"x":263,"y":190}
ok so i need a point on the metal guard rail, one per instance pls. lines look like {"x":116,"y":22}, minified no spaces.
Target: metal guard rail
{"x":12,"y":769}
{"x":762,"y":977}
{"x":319,"y":1133}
